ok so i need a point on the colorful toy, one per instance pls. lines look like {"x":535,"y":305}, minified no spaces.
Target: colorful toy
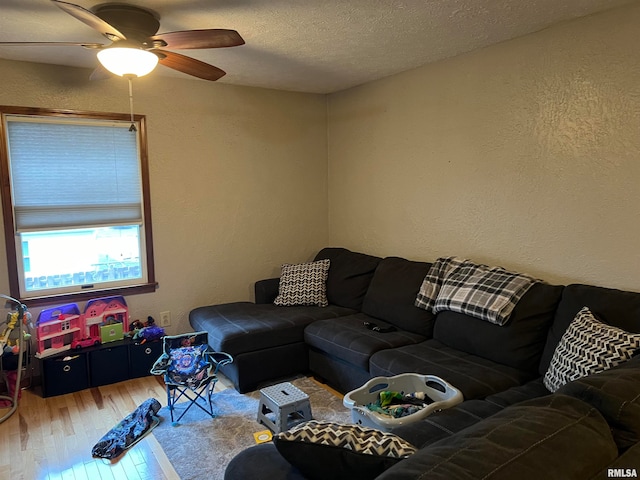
{"x":107,"y":318}
{"x":150,"y":331}
{"x":9,"y":339}
{"x":85,"y":342}
{"x":19,"y":319}
{"x":56,"y":328}
{"x":64,"y":327}
{"x":10,"y":347}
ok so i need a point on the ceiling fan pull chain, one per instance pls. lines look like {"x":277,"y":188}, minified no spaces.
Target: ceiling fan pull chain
{"x":132,"y":128}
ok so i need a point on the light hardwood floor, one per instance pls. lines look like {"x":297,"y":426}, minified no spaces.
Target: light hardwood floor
{"x":51,"y":438}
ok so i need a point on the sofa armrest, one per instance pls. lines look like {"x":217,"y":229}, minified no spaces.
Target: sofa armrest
{"x":261,"y":461}
{"x":266,"y":290}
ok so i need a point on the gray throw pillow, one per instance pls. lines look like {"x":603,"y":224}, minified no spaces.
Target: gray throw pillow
{"x":303,"y":284}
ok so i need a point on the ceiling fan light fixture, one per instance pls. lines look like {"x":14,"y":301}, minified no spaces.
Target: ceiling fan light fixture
{"x":128,"y":61}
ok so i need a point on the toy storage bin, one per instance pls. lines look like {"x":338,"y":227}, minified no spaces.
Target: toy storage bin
{"x":108,"y":364}
{"x":443,"y":394}
{"x":142,"y":357}
{"x":64,"y":374}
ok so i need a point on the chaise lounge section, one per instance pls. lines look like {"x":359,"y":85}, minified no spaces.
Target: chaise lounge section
{"x":266,"y":340}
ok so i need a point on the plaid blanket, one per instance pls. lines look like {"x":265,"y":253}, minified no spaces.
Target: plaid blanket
{"x":488,"y":293}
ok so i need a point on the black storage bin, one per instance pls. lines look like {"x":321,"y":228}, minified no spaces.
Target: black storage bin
{"x":108,"y":365}
{"x":64,"y":374}
{"x":142,"y":357}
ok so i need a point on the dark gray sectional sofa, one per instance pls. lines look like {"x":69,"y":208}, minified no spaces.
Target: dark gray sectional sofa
{"x":509,"y":426}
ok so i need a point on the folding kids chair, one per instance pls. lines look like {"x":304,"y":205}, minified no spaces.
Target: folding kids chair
{"x":189,"y":367}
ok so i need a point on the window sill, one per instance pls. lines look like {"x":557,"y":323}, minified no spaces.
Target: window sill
{"x":86,"y":295}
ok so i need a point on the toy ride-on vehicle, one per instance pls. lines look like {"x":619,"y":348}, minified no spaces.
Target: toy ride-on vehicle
{"x":85,"y":342}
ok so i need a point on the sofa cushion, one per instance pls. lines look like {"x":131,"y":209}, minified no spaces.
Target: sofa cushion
{"x":614,"y":307}
{"x":518,"y":344}
{"x":447,"y":422}
{"x":550,"y":437}
{"x":392,"y":293}
{"x":521,"y":393}
{"x":616,"y":395}
{"x":348,"y":339}
{"x":589,"y":346}
{"x":322,"y":450}
{"x":474,"y":376}
{"x":303,"y":284}
{"x":626,"y":465}
{"x":349,"y":277}
{"x":246,"y":327}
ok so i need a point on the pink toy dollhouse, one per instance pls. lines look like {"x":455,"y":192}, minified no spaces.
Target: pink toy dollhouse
{"x":56,"y":328}
{"x":102,"y":312}
{"x":64,"y":327}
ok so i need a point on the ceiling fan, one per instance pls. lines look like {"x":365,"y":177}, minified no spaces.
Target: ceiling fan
{"x":133,"y":29}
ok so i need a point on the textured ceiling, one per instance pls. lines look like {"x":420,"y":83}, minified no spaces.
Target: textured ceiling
{"x":303,"y":45}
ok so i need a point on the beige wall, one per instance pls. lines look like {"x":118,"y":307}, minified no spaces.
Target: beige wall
{"x":238,"y":178}
{"x":525,"y":154}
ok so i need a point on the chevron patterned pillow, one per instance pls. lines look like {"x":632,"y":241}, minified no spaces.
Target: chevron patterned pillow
{"x":588,"y":346}
{"x":303,"y":284}
{"x":322,"y":450}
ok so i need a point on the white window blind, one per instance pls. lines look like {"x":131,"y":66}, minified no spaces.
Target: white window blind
{"x":73,"y":174}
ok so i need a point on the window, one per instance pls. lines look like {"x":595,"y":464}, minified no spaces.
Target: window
{"x":75,"y":204}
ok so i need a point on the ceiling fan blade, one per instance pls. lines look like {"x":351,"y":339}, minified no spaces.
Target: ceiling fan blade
{"x":90,"y":19}
{"x":52,"y":44}
{"x":189,"y":65}
{"x":211,"y":38}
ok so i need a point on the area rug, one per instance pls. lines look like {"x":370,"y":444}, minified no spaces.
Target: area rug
{"x":201,"y":447}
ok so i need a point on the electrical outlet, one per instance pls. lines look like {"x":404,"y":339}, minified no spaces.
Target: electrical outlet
{"x":165,"y":319}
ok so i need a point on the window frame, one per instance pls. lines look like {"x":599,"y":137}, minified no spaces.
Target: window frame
{"x":11,"y":235}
